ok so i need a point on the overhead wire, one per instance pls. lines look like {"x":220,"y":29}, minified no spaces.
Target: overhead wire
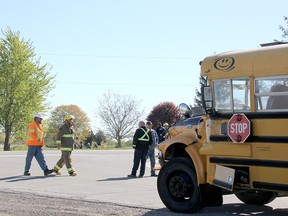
{"x":123,"y":57}
{"x":108,"y":56}
{"x":126,"y":84}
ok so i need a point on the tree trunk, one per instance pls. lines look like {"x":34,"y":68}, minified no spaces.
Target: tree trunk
{"x":118,"y":143}
{"x":7,"y":138}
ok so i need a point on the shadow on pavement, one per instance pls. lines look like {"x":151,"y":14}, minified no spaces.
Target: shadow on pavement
{"x":24,"y":178}
{"x":123,"y":178}
{"x":116,"y":179}
{"x":227,"y":209}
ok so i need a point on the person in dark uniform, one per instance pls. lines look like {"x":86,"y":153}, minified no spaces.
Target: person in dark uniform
{"x":142,"y":140}
{"x":160,"y":132}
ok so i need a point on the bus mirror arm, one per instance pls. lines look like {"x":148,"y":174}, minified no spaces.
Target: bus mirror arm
{"x":198,"y":135}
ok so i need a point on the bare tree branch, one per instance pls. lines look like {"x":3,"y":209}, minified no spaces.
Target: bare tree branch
{"x":120,"y":114}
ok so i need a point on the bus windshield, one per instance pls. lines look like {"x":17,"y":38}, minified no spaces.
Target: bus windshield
{"x":231,"y":95}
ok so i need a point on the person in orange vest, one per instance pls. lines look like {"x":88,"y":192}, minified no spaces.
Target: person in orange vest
{"x":35,"y":142}
{"x":64,"y":141}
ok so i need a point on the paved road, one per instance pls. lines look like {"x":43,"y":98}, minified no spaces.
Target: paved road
{"x":101,"y":188}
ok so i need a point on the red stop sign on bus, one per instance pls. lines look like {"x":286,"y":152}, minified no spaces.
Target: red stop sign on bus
{"x":238,"y":128}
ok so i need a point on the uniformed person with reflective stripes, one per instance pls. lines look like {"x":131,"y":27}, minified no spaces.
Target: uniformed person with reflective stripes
{"x":64,"y":141}
{"x":142,"y":140}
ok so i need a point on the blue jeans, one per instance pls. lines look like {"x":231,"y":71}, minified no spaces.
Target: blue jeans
{"x":140,"y":155}
{"x":151,"y":156}
{"x":37,"y":152}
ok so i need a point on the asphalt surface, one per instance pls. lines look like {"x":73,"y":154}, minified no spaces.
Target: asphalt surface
{"x":100,"y":188}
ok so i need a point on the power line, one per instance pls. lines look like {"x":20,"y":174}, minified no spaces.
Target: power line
{"x":127,"y":84}
{"x":123,"y":57}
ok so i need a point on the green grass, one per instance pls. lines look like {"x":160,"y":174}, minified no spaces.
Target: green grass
{"x":24,"y":148}
{"x":105,"y":146}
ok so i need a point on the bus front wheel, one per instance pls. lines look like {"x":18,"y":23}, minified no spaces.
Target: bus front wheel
{"x":177,"y":186}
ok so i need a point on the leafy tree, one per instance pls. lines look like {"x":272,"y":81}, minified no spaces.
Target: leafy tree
{"x":24,"y":84}
{"x":81,"y":122}
{"x":283,"y":29}
{"x":99,"y":137}
{"x":120,"y":114}
{"x":88,"y":141}
{"x":164,"y":112}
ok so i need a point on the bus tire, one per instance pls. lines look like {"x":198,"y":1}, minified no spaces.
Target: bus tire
{"x":177,"y":186}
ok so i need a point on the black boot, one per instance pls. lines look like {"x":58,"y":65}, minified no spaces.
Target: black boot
{"x":47,"y":171}
{"x":27,"y":173}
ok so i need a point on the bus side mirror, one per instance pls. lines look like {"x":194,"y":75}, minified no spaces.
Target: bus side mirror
{"x":185,"y":110}
{"x":207,"y":101}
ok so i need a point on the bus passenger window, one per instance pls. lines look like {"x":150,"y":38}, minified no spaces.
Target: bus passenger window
{"x":279,"y":101}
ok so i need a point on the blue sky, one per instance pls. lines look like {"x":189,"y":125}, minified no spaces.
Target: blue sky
{"x":147,"y":49}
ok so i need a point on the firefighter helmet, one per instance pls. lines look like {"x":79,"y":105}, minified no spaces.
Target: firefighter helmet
{"x":69,"y":117}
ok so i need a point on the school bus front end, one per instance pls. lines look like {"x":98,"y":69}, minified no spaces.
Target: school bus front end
{"x":244,"y":149}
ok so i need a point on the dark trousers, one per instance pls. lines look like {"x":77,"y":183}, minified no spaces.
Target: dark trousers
{"x":140,"y":155}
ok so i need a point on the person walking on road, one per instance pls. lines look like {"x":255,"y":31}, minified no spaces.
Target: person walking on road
{"x":151,"y":150}
{"x":35,"y":142}
{"x":64,"y":141}
{"x":142,"y":140}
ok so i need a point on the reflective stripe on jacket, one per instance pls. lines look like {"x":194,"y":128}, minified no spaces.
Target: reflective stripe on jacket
{"x":65,"y":137}
{"x":35,"y":134}
{"x":145,"y":136}
{"x":142,"y":138}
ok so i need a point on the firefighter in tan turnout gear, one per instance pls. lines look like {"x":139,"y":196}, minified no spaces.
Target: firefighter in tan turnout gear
{"x":64,"y":141}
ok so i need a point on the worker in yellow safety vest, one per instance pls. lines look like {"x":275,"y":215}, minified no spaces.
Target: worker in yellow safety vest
{"x":142,"y":140}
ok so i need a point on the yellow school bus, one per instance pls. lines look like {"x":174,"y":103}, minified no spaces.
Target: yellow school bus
{"x":240,"y":145}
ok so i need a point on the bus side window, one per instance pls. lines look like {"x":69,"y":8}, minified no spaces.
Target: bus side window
{"x":278,"y":102}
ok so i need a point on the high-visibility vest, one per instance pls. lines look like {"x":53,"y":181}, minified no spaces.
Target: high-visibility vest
{"x":145,"y":136}
{"x":35,"y":134}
